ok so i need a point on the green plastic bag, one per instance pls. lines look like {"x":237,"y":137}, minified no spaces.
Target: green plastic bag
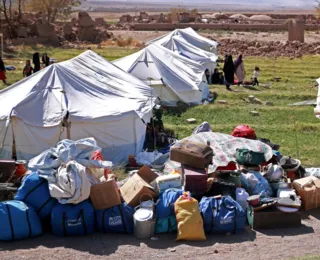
{"x":248,"y":157}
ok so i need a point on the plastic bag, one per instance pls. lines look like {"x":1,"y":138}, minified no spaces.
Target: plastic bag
{"x":146,"y":158}
{"x":315,"y":172}
{"x":255,"y":184}
{"x":190,"y":223}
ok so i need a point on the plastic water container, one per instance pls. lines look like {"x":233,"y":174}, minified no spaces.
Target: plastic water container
{"x":241,"y":197}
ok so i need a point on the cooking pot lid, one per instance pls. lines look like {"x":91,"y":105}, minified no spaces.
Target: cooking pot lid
{"x":143,"y":214}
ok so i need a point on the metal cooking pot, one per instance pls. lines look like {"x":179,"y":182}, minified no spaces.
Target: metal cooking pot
{"x":144,"y":223}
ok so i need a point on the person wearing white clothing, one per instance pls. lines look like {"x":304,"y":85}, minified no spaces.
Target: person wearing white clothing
{"x":255,"y":76}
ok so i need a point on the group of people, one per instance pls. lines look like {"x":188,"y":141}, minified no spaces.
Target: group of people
{"x":28,"y":69}
{"x":230,"y":69}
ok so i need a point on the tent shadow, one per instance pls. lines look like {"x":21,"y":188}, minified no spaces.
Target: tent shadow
{"x":177,"y":110}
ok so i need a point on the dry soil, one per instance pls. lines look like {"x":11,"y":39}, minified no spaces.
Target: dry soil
{"x":264,"y":245}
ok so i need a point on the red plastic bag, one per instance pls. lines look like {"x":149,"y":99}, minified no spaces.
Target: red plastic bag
{"x":244,"y":131}
{"x":98,"y":157}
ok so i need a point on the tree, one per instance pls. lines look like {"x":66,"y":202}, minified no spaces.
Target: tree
{"x":8,"y":8}
{"x":54,"y":9}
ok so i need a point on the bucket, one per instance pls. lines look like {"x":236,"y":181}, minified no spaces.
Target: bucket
{"x":144,"y":223}
{"x":147,"y":204}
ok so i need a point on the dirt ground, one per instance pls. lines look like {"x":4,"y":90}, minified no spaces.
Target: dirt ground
{"x":267,"y":244}
{"x":144,"y":36}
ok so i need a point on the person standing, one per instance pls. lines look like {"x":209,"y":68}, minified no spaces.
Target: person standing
{"x":207,"y":73}
{"x":36,"y":62}
{"x":239,"y":69}
{"x":45,"y":60}
{"x":228,"y":70}
{"x":27,"y":70}
{"x":3,"y":72}
{"x":255,"y":76}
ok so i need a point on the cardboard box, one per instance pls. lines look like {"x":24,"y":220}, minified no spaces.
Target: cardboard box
{"x":147,"y":174}
{"x":135,"y":189}
{"x":309,"y":190}
{"x":271,"y":219}
{"x":105,"y":195}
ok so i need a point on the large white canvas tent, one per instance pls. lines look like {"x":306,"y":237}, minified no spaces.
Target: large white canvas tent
{"x":191,"y":37}
{"x":174,"y":78}
{"x":99,"y":100}
{"x":317,"y":108}
{"x":179,"y":45}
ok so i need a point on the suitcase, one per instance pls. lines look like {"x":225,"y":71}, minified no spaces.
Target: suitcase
{"x":193,"y":154}
{"x":195,"y":180}
{"x":168,"y":182}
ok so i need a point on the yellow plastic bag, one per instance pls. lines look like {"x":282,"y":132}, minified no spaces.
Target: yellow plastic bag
{"x":190,"y":223}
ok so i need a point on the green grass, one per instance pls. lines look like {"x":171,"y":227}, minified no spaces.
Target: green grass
{"x":296,"y":129}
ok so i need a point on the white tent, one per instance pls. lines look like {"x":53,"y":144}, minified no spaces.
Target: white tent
{"x":191,"y":37}
{"x":181,"y":46}
{"x":174,"y":78}
{"x":96,"y":97}
{"x":317,"y":109}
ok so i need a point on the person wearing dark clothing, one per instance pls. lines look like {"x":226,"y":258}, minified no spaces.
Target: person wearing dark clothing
{"x":2,"y":72}
{"x":207,"y":73}
{"x":45,"y":60}
{"x":27,"y":70}
{"x":228,"y":70}
{"x":36,"y":62}
{"x":217,"y":77}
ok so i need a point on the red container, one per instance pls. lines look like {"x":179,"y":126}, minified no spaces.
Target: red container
{"x":20,"y":169}
{"x":98,"y":157}
{"x":195,"y":180}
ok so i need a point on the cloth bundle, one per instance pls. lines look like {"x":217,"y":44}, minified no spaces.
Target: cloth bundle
{"x":67,"y":169}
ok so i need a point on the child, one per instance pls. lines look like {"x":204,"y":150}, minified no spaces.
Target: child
{"x":255,"y":76}
{"x":27,"y":71}
{"x":2,"y":72}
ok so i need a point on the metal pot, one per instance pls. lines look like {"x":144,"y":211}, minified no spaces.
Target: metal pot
{"x":144,"y":223}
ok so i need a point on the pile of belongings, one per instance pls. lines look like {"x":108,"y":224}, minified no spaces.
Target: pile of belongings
{"x":214,"y":184}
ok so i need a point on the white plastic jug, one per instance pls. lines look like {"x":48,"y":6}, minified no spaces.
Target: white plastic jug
{"x":242,"y":196}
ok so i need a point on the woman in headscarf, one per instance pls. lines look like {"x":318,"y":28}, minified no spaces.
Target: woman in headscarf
{"x":2,"y":72}
{"x":36,"y":62}
{"x":228,"y":70}
{"x":239,"y":69}
{"x":45,"y":60}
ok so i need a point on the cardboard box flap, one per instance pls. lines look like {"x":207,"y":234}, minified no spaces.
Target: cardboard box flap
{"x":147,"y":174}
{"x":132,"y":190}
{"x":317,"y":183}
{"x":308,"y":181}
